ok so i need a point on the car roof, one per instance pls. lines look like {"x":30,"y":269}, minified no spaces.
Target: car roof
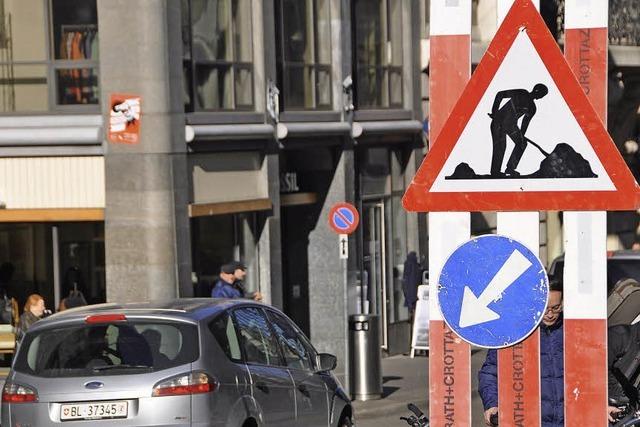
{"x":617,"y":254}
{"x":625,"y":253}
{"x":189,"y":309}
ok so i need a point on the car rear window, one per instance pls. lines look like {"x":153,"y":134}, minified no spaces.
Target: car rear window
{"x":107,"y":349}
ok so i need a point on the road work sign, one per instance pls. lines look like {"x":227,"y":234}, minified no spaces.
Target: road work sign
{"x":523,"y":136}
{"x":492,"y":291}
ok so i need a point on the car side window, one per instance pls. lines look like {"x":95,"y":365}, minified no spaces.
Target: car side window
{"x":224,"y":332}
{"x":294,"y":348}
{"x":257,"y":339}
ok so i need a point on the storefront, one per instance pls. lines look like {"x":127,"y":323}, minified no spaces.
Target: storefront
{"x":305,"y":177}
{"x":386,"y":239}
{"x":51,"y":227}
{"x":229,"y":207}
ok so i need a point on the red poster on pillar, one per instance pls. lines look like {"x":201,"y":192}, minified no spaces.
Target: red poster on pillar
{"x":124,"y":118}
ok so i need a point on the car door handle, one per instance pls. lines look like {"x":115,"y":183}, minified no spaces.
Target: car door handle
{"x":263,"y":387}
{"x":304,"y":390}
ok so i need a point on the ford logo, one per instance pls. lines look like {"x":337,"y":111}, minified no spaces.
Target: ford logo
{"x":94,"y":385}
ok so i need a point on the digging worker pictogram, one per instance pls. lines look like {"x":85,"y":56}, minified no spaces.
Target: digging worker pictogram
{"x":504,"y":121}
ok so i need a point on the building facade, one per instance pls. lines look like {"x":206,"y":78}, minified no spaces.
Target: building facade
{"x":257,"y":116}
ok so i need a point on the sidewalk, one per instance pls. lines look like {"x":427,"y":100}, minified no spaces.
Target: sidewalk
{"x":406,"y":380}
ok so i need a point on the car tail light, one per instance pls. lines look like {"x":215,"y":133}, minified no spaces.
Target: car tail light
{"x":16,"y":393}
{"x":191,"y":383}
{"x":105,"y":318}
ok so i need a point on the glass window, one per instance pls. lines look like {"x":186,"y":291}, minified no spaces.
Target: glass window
{"x":224,"y":331}
{"x":235,"y":239}
{"x":295,"y":350}
{"x":218,"y":54}
{"x":378,"y":50}
{"x":31,"y":77}
{"x":304,"y":63}
{"x":257,"y":340}
{"x":107,"y":349}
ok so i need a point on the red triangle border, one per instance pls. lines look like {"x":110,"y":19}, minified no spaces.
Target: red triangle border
{"x":523,"y":14}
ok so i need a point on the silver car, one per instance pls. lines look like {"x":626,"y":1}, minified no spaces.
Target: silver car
{"x":189,"y":362}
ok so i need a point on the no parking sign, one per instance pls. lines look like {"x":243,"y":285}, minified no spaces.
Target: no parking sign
{"x":344,"y":218}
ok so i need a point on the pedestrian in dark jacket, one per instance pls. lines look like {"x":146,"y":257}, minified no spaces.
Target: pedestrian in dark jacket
{"x":230,"y":285}
{"x":411,"y":278}
{"x":551,"y":367}
{"x":33,"y":311}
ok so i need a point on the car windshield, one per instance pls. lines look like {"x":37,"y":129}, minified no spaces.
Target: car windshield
{"x":109,"y":349}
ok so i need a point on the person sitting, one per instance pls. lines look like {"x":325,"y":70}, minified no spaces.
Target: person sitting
{"x":154,"y":339}
{"x":133,"y":349}
{"x":33,"y":311}
{"x":73,"y":300}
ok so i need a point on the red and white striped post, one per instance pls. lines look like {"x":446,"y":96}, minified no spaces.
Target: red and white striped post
{"x":519,"y":366}
{"x":585,"y":268}
{"x":449,"y":356}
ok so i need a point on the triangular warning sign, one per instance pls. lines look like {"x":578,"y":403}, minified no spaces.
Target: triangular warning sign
{"x":523,"y":136}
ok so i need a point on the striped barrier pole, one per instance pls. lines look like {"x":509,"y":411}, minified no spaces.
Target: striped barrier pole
{"x":585,"y":268}
{"x":449,"y":356}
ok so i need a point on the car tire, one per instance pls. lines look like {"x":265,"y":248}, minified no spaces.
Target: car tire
{"x":345,"y":421}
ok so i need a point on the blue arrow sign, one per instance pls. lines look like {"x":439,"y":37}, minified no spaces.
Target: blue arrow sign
{"x":493,"y":291}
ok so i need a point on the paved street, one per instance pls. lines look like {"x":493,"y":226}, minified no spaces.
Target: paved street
{"x":406,"y":380}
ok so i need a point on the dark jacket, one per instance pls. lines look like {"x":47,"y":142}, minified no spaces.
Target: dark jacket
{"x":411,"y":278}
{"x":26,"y":320}
{"x":223,"y":289}
{"x":551,"y":376}
{"x":623,"y":349}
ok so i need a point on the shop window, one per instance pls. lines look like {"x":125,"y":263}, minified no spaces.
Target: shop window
{"x":304,"y":54}
{"x":217,"y":55}
{"x":378,"y":53}
{"x":219,"y":239}
{"x":36,"y":78}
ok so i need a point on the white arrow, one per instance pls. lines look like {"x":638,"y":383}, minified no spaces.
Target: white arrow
{"x":474,"y":309}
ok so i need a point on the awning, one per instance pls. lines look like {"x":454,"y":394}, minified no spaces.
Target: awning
{"x":52,"y":215}
{"x":221,"y":208}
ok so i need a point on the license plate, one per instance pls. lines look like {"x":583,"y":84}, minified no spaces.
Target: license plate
{"x":93,"y":410}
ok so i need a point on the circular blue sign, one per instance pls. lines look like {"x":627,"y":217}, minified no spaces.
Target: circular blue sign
{"x":492,"y":291}
{"x":343,"y":218}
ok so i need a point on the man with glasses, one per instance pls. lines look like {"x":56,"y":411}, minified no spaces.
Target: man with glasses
{"x":551,"y":366}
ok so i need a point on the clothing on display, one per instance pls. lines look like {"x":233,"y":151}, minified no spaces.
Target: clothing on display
{"x":78,"y":85}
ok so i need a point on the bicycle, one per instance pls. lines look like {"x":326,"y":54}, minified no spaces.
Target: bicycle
{"x":418,"y":419}
{"x":628,"y":415}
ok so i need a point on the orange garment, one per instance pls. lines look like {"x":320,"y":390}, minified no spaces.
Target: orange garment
{"x":76,"y":53}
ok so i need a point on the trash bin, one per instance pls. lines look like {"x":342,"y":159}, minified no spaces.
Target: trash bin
{"x":366,"y":369}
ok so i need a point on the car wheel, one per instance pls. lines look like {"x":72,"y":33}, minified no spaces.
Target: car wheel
{"x":345,"y":421}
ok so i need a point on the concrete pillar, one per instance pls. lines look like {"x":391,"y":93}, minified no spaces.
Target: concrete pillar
{"x":329,"y":276}
{"x":147,"y":240}
{"x":270,"y":241}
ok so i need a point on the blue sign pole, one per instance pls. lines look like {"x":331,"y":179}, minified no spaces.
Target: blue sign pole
{"x":492,"y":291}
